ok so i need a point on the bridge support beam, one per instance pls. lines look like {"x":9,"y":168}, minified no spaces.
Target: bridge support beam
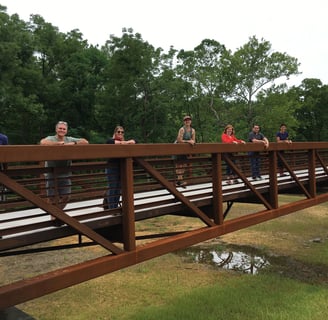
{"x":217,"y":194}
{"x":312,"y":180}
{"x":273,"y":181}
{"x":128,"y":215}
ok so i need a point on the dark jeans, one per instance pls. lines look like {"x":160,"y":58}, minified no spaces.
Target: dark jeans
{"x":255,"y":164}
{"x":114,"y":186}
{"x":280,"y":164}
{"x":58,"y":185}
{"x":229,"y":171}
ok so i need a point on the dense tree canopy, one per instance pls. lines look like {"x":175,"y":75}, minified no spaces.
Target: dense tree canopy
{"x":47,"y":75}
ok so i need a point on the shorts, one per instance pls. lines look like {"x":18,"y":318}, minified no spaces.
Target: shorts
{"x":63,"y":186}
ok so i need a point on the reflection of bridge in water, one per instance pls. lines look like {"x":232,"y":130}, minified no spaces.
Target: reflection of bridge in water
{"x":148,"y":192}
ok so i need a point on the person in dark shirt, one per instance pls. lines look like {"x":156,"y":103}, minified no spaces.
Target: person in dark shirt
{"x":3,"y":142}
{"x":3,"y":139}
{"x":282,"y":136}
{"x":113,"y":193}
{"x":256,"y":136}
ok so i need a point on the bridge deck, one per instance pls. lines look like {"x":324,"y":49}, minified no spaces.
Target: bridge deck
{"x":27,"y":226}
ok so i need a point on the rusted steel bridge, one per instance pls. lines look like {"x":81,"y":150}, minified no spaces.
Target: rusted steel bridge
{"x":148,"y":191}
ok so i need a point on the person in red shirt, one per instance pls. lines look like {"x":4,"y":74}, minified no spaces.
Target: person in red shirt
{"x":228,"y":136}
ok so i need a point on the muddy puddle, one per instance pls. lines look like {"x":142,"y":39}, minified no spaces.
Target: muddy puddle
{"x":244,"y":260}
{"x":254,"y":261}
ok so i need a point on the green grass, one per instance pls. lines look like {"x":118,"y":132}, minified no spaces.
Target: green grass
{"x":151,"y":291}
{"x":247,"y":297}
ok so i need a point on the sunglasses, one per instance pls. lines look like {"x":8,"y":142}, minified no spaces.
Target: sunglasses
{"x":119,"y":131}
{"x":62,"y":122}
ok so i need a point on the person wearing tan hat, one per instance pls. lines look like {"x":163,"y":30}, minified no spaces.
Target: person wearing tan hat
{"x":186,"y":134}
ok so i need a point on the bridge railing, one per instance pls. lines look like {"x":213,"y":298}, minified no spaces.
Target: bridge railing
{"x":89,"y":179}
{"x":148,"y":190}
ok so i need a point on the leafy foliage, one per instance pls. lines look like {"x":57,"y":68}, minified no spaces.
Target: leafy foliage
{"x":46,"y":76}
{"x":313,"y":111}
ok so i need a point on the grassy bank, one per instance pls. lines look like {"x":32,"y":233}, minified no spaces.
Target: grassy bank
{"x":173,"y":287}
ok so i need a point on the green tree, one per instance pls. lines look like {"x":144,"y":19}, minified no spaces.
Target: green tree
{"x":127,"y":96}
{"x":205,"y":69}
{"x":72,"y":73}
{"x":46,"y":76}
{"x":21,"y":111}
{"x":170,"y":95}
{"x":254,"y":67}
{"x":278,"y":106}
{"x":313,"y":112}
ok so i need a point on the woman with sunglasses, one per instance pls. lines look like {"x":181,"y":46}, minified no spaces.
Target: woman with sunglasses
{"x":113,"y":194}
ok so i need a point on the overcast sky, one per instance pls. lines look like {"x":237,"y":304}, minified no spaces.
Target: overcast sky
{"x":297,"y":28}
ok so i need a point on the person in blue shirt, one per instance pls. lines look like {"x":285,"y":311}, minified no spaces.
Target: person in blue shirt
{"x":3,"y":139}
{"x":282,"y":136}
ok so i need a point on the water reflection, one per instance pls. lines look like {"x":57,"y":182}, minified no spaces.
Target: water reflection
{"x":228,"y":259}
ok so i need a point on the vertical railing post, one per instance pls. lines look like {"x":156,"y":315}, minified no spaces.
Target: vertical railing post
{"x":128,"y":214}
{"x":312,"y":179}
{"x":217,"y":188}
{"x":273,"y":181}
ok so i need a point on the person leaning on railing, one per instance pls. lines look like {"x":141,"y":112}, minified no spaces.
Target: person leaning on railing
{"x":282,"y":136}
{"x":256,"y":136}
{"x":186,"y":134}
{"x":112,"y":195}
{"x":58,"y":186}
{"x":228,"y":136}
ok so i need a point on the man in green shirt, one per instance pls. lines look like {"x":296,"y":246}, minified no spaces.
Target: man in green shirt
{"x":58,"y":184}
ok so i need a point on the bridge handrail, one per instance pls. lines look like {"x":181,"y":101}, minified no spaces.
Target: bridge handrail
{"x":37,"y":153}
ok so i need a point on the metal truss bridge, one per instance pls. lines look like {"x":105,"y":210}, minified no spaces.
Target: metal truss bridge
{"x":148,"y":191}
